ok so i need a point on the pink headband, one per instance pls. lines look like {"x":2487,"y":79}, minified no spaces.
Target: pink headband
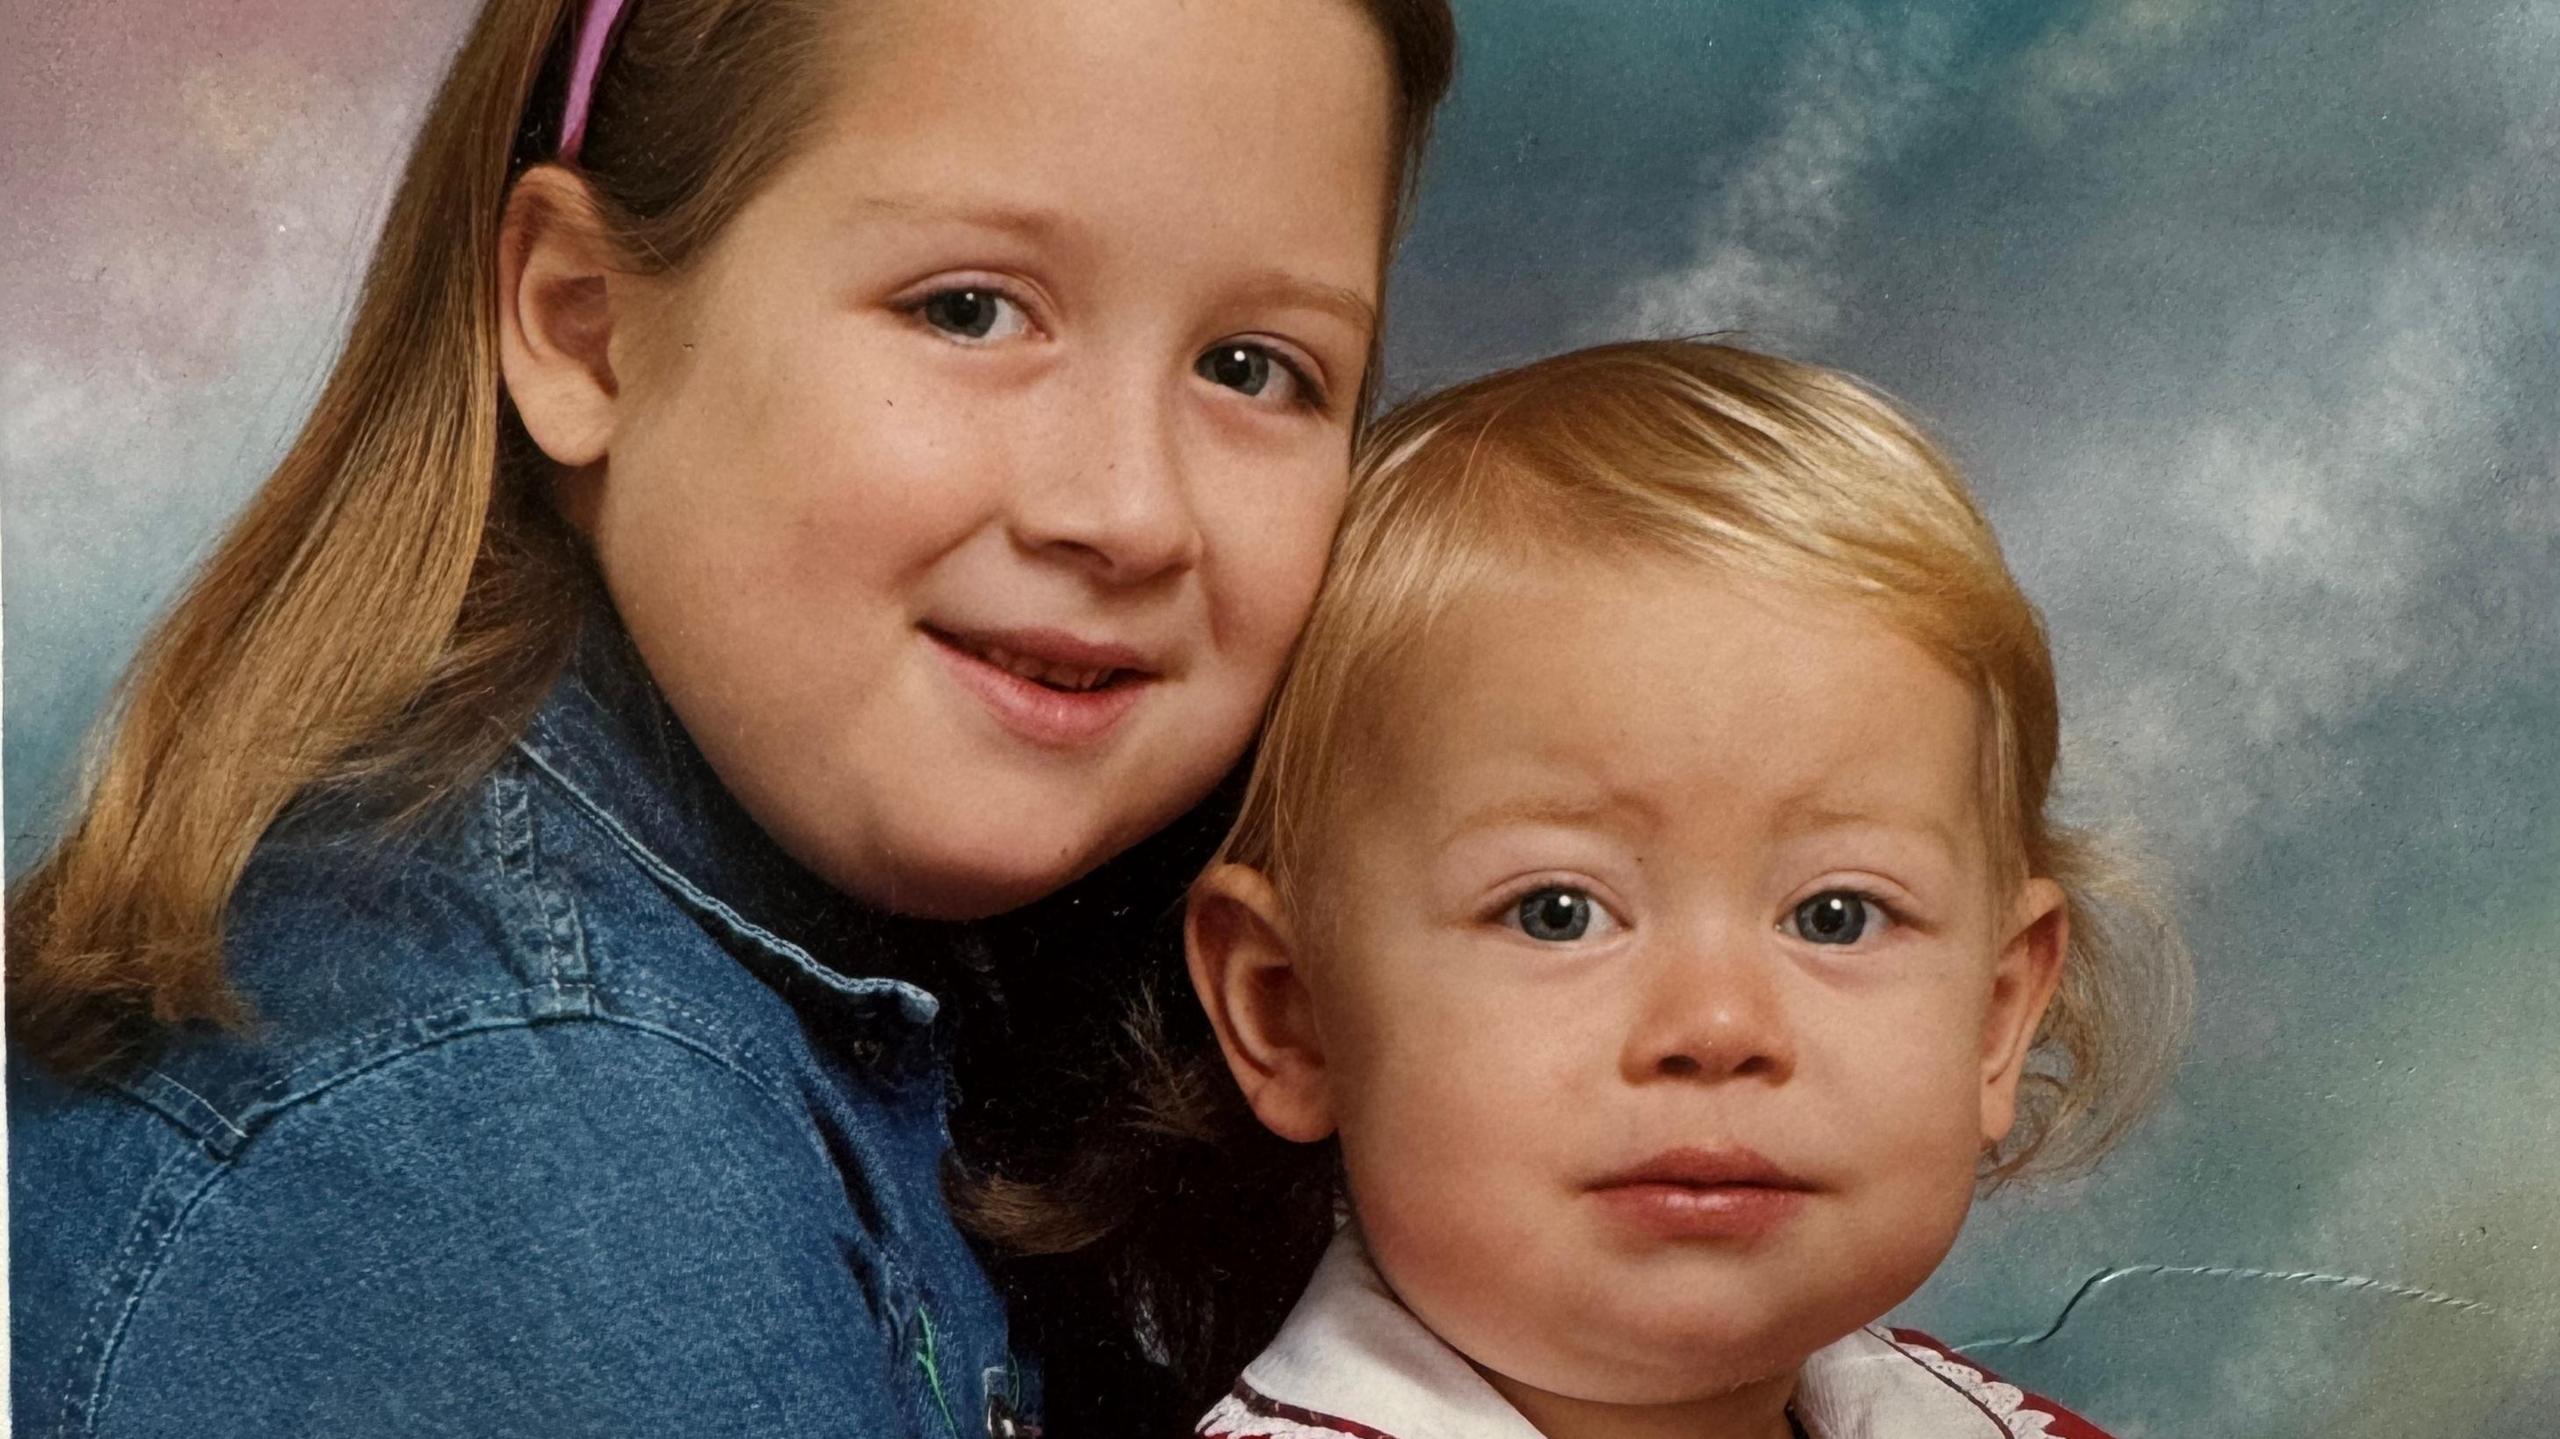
{"x":596,"y":30}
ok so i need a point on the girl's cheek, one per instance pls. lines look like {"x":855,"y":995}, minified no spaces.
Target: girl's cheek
{"x":1269,"y":536}
{"x":878,"y":486}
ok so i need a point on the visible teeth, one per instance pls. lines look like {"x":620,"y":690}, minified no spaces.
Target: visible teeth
{"x":1065,"y":677}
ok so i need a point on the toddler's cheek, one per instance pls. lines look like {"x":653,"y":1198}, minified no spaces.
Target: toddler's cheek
{"x":1403,"y":1213}
{"x":1460,"y":1257}
{"x":1911,"y":1217}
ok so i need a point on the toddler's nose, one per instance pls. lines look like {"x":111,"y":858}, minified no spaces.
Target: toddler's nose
{"x":1715,"y":1012}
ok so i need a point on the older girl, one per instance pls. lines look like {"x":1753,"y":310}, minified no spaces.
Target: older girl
{"x":796,"y":464}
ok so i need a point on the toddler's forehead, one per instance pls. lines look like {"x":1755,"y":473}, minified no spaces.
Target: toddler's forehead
{"x":1563,"y":657}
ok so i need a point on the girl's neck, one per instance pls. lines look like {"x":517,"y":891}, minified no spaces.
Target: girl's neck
{"x":1753,"y":1411}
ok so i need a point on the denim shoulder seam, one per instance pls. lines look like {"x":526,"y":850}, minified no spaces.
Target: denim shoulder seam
{"x":546,"y":922}
{"x":646,"y":1010}
{"x":146,"y":1248}
{"x":189,"y":1112}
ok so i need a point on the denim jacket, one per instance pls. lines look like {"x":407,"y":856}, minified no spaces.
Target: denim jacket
{"x":579,"y":1112}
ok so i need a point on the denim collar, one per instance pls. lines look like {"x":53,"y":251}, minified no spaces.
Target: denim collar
{"x":606,"y":735}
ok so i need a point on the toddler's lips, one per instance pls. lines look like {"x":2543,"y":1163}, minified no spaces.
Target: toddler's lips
{"x":1052,"y":689}
{"x":1694,"y":1194}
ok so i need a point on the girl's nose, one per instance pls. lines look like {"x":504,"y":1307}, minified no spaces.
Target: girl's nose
{"x":1116,"y":506}
{"x":1714,"y":1011}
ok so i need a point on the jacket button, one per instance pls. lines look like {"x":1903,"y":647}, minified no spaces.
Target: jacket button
{"x":1003,"y":1423}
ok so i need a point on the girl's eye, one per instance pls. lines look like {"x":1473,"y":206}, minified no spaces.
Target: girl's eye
{"x":1837,"y":916}
{"x":1555,"y":914}
{"x":1240,"y":368}
{"x":973,"y":316}
{"x":1253,"y":371}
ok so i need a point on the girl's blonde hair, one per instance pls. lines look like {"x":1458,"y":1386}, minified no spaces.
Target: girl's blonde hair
{"x":384,"y":616}
{"x":1783,"y":470}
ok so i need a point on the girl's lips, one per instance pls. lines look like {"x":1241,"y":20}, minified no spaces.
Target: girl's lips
{"x":1049,"y":717}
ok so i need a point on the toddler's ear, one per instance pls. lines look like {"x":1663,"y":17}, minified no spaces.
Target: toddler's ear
{"x":1244,"y":966}
{"x":2035,"y":942}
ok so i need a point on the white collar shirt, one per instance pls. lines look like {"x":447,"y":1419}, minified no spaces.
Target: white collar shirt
{"x":1353,"y":1361}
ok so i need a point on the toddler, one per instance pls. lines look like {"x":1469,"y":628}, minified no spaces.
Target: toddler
{"x":1645,"y":884}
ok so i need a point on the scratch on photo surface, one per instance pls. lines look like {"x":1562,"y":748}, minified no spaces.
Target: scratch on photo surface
{"x":2346,"y":1283}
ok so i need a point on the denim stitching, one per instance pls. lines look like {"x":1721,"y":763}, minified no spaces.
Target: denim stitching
{"x":910,"y":998}
{"x":346,"y":1056}
{"x":714,"y":1041}
{"x":164,"y":1237}
{"x":108,"y":1318}
{"x":343,"y":1053}
{"x":615,"y":1004}
{"x":548,"y":922}
{"x":205,"y":1104}
{"x":355,"y":1054}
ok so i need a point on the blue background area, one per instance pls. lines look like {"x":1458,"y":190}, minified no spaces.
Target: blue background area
{"x":2243,"y":315}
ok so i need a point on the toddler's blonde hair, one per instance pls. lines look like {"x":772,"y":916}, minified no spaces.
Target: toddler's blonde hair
{"x":1772,"y":468}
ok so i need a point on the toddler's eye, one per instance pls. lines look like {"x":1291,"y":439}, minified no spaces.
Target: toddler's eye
{"x":973,"y":316}
{"x":1837,"y":916}
{"x":1252,"y":371}
{"x":1556,"y":915}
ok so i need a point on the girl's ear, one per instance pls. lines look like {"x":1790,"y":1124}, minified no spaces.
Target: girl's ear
{"x":2036,"y":940}
{"x":1244,"y":962}
{"x":555,"y":316}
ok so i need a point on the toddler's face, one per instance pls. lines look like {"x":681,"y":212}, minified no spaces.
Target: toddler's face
{"x":1668,"y":998}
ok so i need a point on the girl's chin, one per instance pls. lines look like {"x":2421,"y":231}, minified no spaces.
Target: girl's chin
{"x":962,"y":852}
{"x":959,"y":893}
{"x":923,"y":882}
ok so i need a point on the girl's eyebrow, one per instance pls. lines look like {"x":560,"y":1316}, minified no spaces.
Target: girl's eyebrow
{"x":1030,"y":222}
{"x":1280,"y":288}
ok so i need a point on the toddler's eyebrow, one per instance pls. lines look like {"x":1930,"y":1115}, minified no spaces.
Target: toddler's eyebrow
{"x":1810,"y":818}
{"x":1563,"y":813}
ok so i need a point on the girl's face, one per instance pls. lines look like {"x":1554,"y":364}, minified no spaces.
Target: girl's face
{"x":1662,"y":957}
{"x":966,"y":498}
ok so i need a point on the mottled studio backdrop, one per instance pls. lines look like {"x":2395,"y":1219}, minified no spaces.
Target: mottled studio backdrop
{"x":2243,"y":313}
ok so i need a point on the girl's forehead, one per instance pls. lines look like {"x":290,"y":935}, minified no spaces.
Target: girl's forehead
{"x":1302,"y":88}
{"x":1247,"y":148}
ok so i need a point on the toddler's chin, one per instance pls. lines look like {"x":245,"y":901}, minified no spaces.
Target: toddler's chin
{"x":1654,"y":1370}
{"x":1612,"y":1345}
